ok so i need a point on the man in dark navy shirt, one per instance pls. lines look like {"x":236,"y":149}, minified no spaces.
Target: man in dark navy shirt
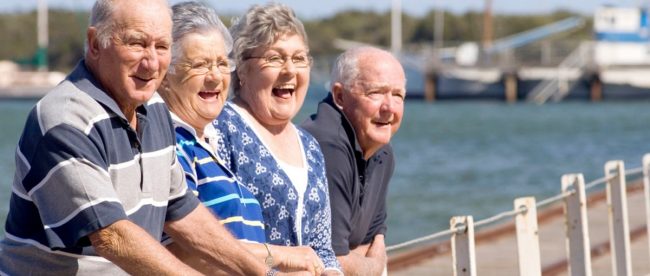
{"x":354,"y":125}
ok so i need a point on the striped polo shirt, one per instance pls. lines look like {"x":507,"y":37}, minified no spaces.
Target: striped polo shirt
{"x":80,"y":167}
{"x":215,"y":185}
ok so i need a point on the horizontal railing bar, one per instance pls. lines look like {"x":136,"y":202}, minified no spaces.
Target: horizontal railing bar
{"x":507,"y":214}
{"x":433,"y":236}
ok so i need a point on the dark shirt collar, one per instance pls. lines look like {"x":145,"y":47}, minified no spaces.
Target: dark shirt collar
{"x":82,"y":78}
{"x":330,"y":108}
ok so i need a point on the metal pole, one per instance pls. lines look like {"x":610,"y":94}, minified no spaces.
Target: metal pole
{"x":646,"y":191}
{"x":527,"y":237}
{"x":42,"y":30}
{"x":462,"y":246}
{"x":619,"y":229}
{"x":577,"y":227}
{"x":438,"y":27}
{"x":487,"y":24}
{"x":396,"y":27}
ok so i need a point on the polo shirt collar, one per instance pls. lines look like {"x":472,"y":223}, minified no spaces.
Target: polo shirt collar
{"x":347,"y":126}
{"x":178,"y":122}
{"x":210,"y":133}
{"x":82,"y":78}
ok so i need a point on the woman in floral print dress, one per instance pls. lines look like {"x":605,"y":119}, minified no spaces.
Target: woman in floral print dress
{"x":281,"y":164}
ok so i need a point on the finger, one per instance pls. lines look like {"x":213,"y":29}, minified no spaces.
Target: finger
{"x":319,"y":267}
{"x":310,"y":268}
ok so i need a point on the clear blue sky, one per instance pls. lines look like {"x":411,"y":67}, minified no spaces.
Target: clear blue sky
{"x":323,"y":8}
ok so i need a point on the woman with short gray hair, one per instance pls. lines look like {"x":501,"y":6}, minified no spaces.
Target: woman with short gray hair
{"x":281,"y":164}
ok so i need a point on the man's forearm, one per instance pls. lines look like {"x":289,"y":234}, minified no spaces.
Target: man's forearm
{"x":193,"y":261}
{"x":355,"y":264}
{"x":367,"y":259}
{"x":201,"y":234}
{"x":135,"y":251}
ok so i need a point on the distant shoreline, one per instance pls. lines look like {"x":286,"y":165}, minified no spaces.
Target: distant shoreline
{"x":24,"y":93}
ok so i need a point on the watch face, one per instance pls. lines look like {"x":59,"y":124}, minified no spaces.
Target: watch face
{"x":271,"y":272}
{"x":269,"y":261}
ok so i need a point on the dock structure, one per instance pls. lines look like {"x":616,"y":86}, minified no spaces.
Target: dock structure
{"x":573,"y":78}
{"x":525,"y":66}
{"x":18,"y":84}
{"x":557,"y":244}
{"x":537,"y":84}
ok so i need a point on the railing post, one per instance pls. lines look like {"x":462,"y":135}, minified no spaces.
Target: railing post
{"x":462,"y":245}
{"x":619,"y":230}
{"x":577,"y":228}
{"x":646,"y":192}
{"x":527,"y":237}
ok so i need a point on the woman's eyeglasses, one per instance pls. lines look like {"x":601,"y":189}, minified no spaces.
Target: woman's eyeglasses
{"x":202,"y":67}
{"x":277,"y":61}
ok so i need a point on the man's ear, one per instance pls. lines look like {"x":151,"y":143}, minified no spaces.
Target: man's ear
{"x":337,"y":94}
{"x":92,"y":42}
{"x":164,"y":84}
{"x":239,"y":72}
{"x":165,"y":91}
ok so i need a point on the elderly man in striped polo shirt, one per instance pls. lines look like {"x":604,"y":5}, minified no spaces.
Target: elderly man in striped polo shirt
{"x":97,"y":179}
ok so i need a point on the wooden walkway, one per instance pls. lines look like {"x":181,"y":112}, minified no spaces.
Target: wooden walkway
{"x":496,"y":247}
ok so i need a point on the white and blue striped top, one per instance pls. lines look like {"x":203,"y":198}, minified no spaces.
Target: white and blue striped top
{"x":215,"y":185}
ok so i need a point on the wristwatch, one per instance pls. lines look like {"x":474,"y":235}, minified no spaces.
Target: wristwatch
{"x":271,"y":272}
{"x":269,"y":258}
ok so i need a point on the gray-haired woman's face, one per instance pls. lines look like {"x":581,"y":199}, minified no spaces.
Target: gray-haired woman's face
{"x":275,"y":80}
{"x":201,"y":79}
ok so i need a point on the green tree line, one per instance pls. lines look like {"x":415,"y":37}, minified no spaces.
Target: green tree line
{"x":67,"y":31}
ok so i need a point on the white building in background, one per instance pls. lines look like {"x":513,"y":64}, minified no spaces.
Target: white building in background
{"x":622,"y":37}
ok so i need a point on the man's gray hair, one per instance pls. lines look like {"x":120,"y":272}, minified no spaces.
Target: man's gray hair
{"x":195,"y":17}
{"x":101,"y":18}
{"x":346,"y":67}
{"x":262,"y":26}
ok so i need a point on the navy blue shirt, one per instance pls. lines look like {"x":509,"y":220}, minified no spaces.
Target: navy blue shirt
{"x":357,"y":187}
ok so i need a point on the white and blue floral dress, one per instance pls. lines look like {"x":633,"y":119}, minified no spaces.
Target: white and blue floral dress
{"x":254,"y":166}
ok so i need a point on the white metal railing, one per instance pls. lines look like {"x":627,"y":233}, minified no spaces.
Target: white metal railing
{"x":619,"y":229}
{"x":461,"y":231}
{"x":527,"y":237}
{"x":646,"y":192}
{"x":577,"y":228}
{"x":462,"y":245}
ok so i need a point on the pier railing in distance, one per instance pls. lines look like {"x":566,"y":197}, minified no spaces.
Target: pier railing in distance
{"x":573,"y":195}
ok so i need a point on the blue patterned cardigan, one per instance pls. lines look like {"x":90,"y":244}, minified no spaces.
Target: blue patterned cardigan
{"x":248,"y":158}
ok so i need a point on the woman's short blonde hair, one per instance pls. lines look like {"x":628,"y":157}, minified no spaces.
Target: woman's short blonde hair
{"x":261,"y":26}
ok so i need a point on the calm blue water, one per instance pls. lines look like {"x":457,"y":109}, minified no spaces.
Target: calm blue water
{"x":465,"y":158}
